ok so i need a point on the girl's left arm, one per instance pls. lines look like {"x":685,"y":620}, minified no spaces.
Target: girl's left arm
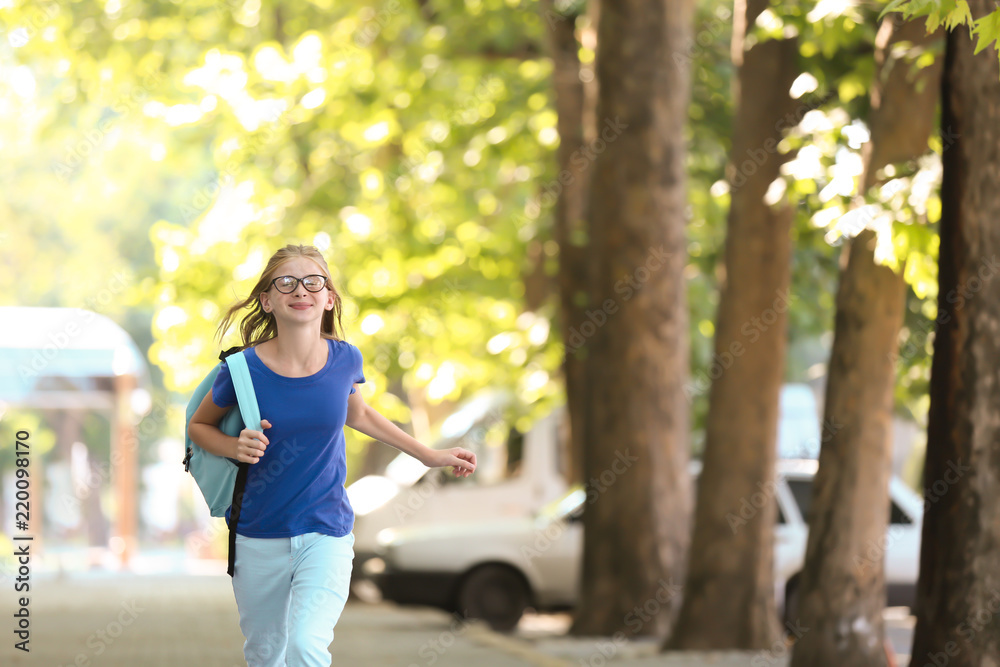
{"x":365,"y":419}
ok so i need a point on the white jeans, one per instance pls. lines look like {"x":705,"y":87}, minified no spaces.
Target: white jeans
{"x":290,"y":592}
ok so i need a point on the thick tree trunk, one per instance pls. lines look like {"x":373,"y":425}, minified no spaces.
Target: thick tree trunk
{"x":570,"y":223}
{"x":729,"y":594}
{"x":958,"y":595}
{"x":842,"y":587}
{"x":636,"y":441}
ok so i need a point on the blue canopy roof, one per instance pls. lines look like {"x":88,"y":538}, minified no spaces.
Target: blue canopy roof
{"x":45,"y":350}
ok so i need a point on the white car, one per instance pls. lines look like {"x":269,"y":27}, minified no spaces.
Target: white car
{"x":409,"y":494}
{"x":900,"y":549}
{"x":496,"y":569}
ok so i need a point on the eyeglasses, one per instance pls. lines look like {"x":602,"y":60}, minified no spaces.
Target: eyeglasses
{"x":287,"y":284}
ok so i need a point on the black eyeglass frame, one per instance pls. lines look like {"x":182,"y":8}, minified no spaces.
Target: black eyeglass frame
{"x":299,"y":280}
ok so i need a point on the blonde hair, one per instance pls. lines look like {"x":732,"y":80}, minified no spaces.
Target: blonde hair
{"x":259,"y":326}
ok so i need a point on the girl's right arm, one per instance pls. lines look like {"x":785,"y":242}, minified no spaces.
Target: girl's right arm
{"x":203,"y":430}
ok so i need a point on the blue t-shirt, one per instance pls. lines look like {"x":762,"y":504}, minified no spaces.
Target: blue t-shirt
{"x":297,"y":486}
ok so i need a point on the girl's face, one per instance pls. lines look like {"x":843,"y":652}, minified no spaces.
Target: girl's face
{"x":292,"y":300}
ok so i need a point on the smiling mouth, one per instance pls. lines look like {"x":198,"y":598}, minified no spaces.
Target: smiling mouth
{"x":301,"y":306}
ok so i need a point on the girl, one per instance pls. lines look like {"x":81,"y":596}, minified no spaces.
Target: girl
{"x":294,"y":545}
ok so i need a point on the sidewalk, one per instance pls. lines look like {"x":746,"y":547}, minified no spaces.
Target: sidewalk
{"x":108,"y":620}
{"x":546,"y":634}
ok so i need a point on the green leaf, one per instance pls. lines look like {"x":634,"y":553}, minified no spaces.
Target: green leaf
{"x":894,"y":6}
{"x":942,"y":9}
{"x":987,"y":29}
{"x":922,"y":8}
{"x":959,"y":15}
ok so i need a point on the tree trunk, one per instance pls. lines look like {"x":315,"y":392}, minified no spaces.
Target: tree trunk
{"x":842,"y":588}
{"x":570,"y":218}
{"x":729,"y":593}
{"x":958,"y":595}
{"x":636,"y":441}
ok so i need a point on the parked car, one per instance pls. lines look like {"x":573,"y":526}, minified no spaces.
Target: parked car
{"x":900,"y":548}
{"x":410,"y":494}
{"x":516,"y":475}
{"x":496,"y":569}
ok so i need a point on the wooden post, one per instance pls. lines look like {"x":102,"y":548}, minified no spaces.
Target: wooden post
{"x":124,"y":464}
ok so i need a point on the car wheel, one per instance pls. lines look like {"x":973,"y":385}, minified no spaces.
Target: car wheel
{"x":496,"y":594}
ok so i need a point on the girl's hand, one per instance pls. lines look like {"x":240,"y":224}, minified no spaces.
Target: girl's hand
{"x":251,"y":444}
{"x":463,"y":461}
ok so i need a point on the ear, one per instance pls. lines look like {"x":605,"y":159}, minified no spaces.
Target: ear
{"x":263,"y":301}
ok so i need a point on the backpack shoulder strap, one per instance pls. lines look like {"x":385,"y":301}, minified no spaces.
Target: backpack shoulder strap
{"x":250,"y":411}
{"x":245,"y":395}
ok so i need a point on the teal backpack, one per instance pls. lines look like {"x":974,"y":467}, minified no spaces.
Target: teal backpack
{"x":222,"y":480}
